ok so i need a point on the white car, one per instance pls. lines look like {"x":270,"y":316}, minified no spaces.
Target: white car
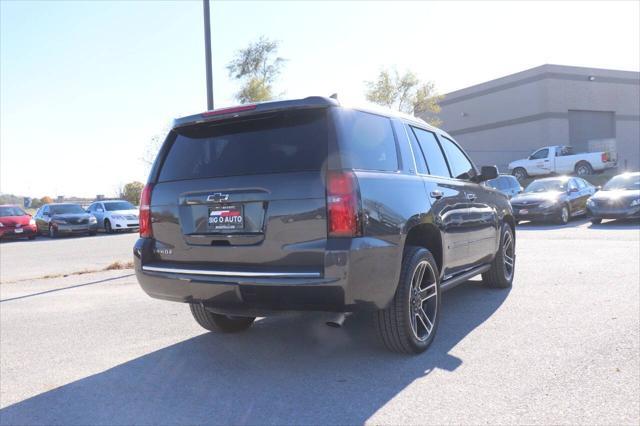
{"x":561,"y":160}
{"x":115,"y":215}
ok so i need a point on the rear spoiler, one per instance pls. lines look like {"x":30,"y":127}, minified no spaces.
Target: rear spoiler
{"x":250,"y":109}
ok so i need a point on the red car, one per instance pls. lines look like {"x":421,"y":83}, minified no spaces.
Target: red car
{"x":15,"y":222}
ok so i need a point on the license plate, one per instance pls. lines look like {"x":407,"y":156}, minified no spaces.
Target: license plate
{"x":226,"y":217}
{"x":18,"y":230}
{"x":524,"y":211}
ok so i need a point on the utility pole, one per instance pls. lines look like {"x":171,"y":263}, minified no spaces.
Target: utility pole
{"x":207,"y":53}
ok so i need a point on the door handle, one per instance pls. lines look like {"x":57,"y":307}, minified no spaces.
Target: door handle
{"x":471,"y":197}
{"x":436,"y":194}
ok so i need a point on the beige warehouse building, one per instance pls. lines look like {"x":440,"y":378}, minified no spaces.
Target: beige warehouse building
{"x":506,"y":119}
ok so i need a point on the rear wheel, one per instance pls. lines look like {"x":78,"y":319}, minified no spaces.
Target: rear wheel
{"x":520,"y":173}
{"x":409,"y":323}
{"x":503,"y":266}
{"x":217,"y":322}
{"x":583,"y":169}
{"x":596,"y":220}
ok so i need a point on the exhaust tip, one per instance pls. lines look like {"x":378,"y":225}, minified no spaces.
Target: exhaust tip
{"x":337,"y":321}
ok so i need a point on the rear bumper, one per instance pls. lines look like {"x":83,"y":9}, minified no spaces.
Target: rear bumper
{"x":615,"y":213}
{"x":358,"y":275}
{"x":27,"y":231}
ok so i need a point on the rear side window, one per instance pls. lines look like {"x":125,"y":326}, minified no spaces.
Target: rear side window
{"x":432,"y":152}
{"x":367,"y":141}
{"x":421,"y":165}
{"x":458,"y":161}
{"x":289,"y":141}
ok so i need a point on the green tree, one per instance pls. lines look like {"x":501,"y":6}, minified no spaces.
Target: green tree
{"x":131,"y":192}
{"x":405,"y":93}
{"x":256,"y":67}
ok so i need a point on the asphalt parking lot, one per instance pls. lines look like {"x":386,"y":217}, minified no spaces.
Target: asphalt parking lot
{"x":562,"y":346}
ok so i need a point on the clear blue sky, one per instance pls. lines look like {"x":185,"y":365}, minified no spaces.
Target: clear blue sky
{"x":85,"y":85}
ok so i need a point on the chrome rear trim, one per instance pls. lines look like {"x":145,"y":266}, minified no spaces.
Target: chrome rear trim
{"x":216,"y":273}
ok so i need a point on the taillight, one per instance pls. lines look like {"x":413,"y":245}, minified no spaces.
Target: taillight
{"x":605,"y":157}
{"x":343,"y":205}
{"x":145,"y":212}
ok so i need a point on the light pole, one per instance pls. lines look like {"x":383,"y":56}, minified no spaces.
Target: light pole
{"x":207,"y":53}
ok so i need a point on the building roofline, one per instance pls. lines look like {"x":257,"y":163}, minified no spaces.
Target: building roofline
{"x":551,"y":71}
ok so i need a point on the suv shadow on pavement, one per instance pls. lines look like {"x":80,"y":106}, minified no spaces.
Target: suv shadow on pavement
{"x":286,"y":369}
{"x":542,"y":226}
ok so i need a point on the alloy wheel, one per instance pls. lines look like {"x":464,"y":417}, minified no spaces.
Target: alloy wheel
{"x":508,"y":254}
{"x":565,"y":215}
{"x":423,"y":299}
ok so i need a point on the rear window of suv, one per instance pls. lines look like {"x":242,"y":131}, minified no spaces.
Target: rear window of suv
{"x":288,"y":141}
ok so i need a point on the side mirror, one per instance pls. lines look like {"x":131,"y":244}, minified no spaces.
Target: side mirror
{"x":598,"y":188}
{"x":572,"y":190}
{"x":487,"y":173}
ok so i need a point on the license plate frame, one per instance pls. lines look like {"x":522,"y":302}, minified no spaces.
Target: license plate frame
{"x":18,"y":231}
{"x":226,"y":217}
{"x":523,"y":211}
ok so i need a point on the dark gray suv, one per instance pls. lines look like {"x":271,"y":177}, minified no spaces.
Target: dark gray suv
{"x":305,"y":205}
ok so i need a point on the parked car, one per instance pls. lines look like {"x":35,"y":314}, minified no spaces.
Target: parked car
{"x":115,"y":215}
{"x":618,"y":199}
{"x":16,"y":223}
{"x":506,"y":184}
{"x":561,"y":160}
{"x":555,"y":199}
{"x":306,"y":205}
{"x":57,"y":219}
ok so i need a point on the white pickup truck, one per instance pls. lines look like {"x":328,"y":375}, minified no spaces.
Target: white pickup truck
{"x":561,"y":160}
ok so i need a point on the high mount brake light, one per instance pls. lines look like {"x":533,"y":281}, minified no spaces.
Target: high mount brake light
{"x":231,"y":110}
{"x":145,"y":212}
{"x":343,"y":201}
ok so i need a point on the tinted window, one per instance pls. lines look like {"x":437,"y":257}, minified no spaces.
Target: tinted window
{"x":288,"y":141}
{"x":46,"y":210}
{"x":367,"y":141}
{"x":66,"y":209}
{"x":543,"y":153}
{"x":547,"y":185}
{"x":432,"y":153}
{"x":624,"y":181}
{"x":119,"y":205}
{"x":11,"y":211}
{"x":458,"y":161}
{"x":418,"y":155}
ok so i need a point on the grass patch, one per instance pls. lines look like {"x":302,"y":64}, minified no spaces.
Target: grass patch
{"x":119,"y":265}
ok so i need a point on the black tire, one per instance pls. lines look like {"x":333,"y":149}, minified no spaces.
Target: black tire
{"x":583,"y":168}
{"x":520,"y":173}
{"x":92,"y":233}
{"x":52,"y":232}
{"x":107,"y":227}
{"x":596,"y":220}
{"x":32,"y":237}
{"x":221,"y":323}
{"x":400,"y":327}
{"x":563,"y":219}
{"x":503,"y":266}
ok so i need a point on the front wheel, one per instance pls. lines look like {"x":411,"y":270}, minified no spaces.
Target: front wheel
{"x":596,"y":220}
{"x":409,"y":323}
{"x":217,"y":322}
{"x":53,"y":233}
{"x":563,"y":215}
{"x":503,"y":266}
{"x":107,"y":227}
